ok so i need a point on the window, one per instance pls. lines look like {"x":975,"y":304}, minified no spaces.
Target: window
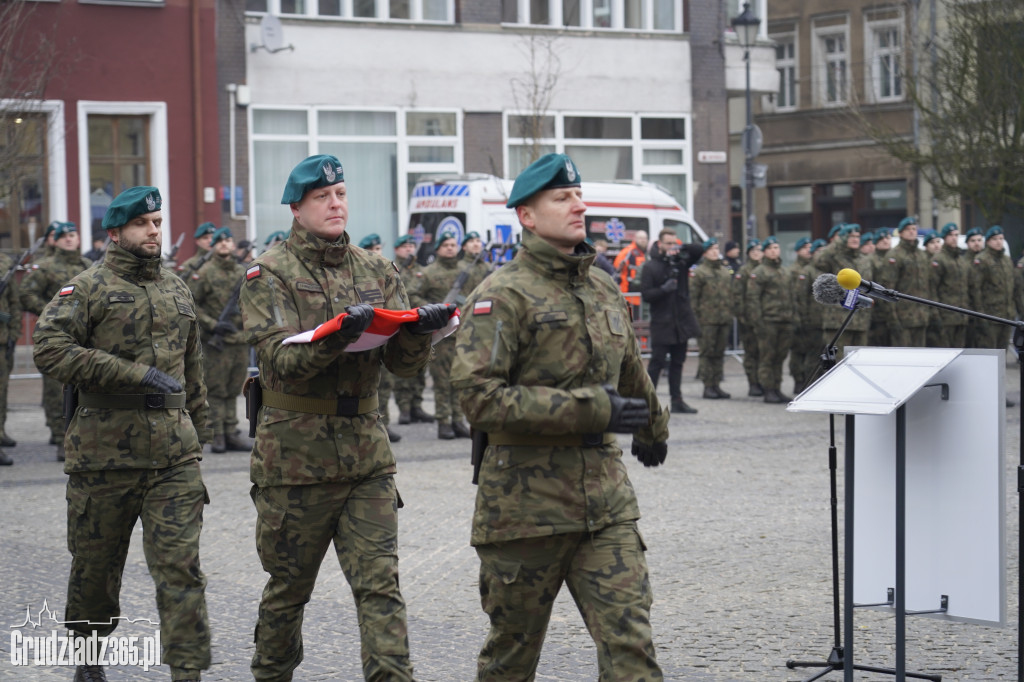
{"x":831,"y":64}
{"x":438,"y":11}
{"x":607,"y":147}
{"x":383,"y":152}
{"x":23,"y":187}
{"x":628,"y":15}
{"x":885,"y":60}
{"x":785,"y":64}
{"x":118,"y":159}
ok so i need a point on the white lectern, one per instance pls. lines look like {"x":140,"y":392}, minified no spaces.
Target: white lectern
{"x":927,"y":452}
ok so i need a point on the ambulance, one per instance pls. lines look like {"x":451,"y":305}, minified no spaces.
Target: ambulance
{"x":476,"y":203}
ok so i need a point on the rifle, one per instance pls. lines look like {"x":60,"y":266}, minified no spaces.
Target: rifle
{"x":185,"y":274}
{"x":460,"y":281}
{"x":169,"y":258}
{"x":23,"y":258}
{"x":217,"y":340}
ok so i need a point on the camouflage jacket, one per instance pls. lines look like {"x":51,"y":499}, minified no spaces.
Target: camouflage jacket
{"x":47,"y":276}
{"x":438,"y":278}
{"x":711,"y":292}
{"x":212,"y":287}
{"x":908,"y":273}
{"x":539,"y":338}
{"x":770,"y":295}
{"x":951,"y":267}
{"x":838,"y":257}
{"x":739,"y":291}
{"x":192,"y":264}
{"x":808,"y":311}
{"x":411,"y":272}
{"x":102,"y":333}
{"x":991,"y":280}
{"x":292,"y":288}
{"x":10,"y":304}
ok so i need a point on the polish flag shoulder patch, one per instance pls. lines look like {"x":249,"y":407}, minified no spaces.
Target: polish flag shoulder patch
{"x":67,"y":291}
{"x":253,"y":272}
{"x":482,"y":307}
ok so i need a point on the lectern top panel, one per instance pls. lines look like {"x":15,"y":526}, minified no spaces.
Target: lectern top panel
{"x":873,"y":380}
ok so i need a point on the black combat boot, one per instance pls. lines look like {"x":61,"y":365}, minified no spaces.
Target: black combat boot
{"x":710,"y":393}
{"x":418,"y":415}
{"x":393,"y":436}
{"x":90,"y":673}
{"x":404,"y":417}
{"x":5,"y":460}
{"x":60,"y":452}
{"x":679,"y":406}
{"x":218,"y":445}
{"x":755,"y":391}
{"x":7,"y":442}
{"x":237,"y":443}
{"x":445,"y":431}
{"x":460,"y":429}
{"x":722,"y":394}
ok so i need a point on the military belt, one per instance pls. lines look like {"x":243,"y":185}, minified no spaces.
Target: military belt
{"x":568,"y":440}
{"x":132,"y":401}
{"x":342,"y":406}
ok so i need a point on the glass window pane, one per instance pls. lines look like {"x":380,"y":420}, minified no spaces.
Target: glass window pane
{"x":570,"y":12}
{"x":364,"y":8}
{"x":663,"y":157}
{"x":430,"y":123}
{"x":278,"y":122}
{"x":634,"y":13}
{"x":531,"y":126}
{"x":602,"y":163}
{"x":791,"y":199}
{"x":598,"y":128}
{"x":399,"y":9}
{"x":888,"y":195}
{"x":435,"y":10}
{"x":602,"y":14}
{"x":131,"y":136}
{"x":521,"y":156}
{"x":272,"y":161}
{"x":510,"y":11}
{"x":329,"y":8}
{"x":663,"y":128}
{"x":539,"y":12}
{"x":674,"y":184}
{"x":255,"y":5}
{"x":372,"y":186}
{"x":293,"y":7}
{"x":664,"y":15}
{"x":356,"y":123}
{"x":421,"y":154}
{"x":131,"y":175}
{"x":101,"y":135}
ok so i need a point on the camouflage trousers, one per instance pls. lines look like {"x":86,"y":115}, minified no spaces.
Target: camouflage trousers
{"x":409,"y":391}
{"x":102,"y":509}
{"x":606,"y":573}
{"x":712,"y":342}
{"x":953,"y":336}
{"x":446,"y":400}
{"x":5,"y":380}
{"x":751,"y":358}
{"x":53,"y":406}
{"x":294,"y":528}
{"x":774,"y":338}
{"x":991,"y":334}
{"x":387,"y":380}
{"x":911,"y":337}
{"x":226,"y":370}
{"x":804,"y":355}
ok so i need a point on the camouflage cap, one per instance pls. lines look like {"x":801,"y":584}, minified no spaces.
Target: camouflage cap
{"x":278,"y":236}
{"x":204,"y":229}
{"x":708,"y":243}
{"x":372,"y":239}
{"x":993,"y":231}
{"x":63,"y":229}
{"x":801,"y":243}
{"x":906,"y":222}
{"x":321,"y":170}
{"x":220,"y":235}
{"x":753,"y":244}
{"x":547,"y":172}
{"x":132,"y":202}
{"x":405,"y":239}
{"x":947,"y":228}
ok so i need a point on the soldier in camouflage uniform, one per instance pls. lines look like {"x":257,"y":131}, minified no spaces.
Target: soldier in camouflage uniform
{"x":203,"y":236}
{"x":805,"y":353}
{"x":322,"y":467}
{"x":770,"y":310}
{"x":124,"y":333}
{"x":748,"y":335}
{"x":371,"y":243}
{"x":951,"y":268}
{"x":975,"y":238}
{"x":991,"y":279}
{"x":409,"y":390}
{"x":10,"y":329}
{"x":44,"y":280}
{"x":841,"y":254}
{"x":434,"y":286}
{"x":908,"y":272}
{"x":545,"y":355}
{"x":224,"y":349}
{"x":711,"y":299}
{"x":879,"y":333}
{"x":474,"y":258}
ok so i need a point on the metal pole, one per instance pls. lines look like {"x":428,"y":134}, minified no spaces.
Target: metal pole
{"x":748,"y":166}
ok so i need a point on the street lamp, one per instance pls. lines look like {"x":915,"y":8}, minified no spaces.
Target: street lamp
{"x":745,"y":25}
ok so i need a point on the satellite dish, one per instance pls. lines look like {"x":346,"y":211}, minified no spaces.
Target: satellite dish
{"x":272,"y":35}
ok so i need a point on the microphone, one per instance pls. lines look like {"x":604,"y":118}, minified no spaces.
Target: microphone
{"x":826,"y":290}
{"x":850,"y":280}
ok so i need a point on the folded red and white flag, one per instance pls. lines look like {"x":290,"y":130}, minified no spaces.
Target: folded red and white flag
{"x":384,"y":325}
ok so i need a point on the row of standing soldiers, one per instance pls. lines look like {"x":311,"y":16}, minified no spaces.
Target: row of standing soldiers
{"x":778,"y":315}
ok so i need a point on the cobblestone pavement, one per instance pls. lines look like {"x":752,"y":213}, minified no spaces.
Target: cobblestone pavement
{"x":737,"y":524}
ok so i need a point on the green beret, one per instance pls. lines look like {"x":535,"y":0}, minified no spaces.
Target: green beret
{"x":405,"y":239}
{"x":817,"y":244}
{"x":278,"y":236}
{"x":947,"y":228}
{"x":221,"y":234}
{"x":708,"y":243}
{"x":769,"y":241}
{"x":547,"y":172}
{"x":973,"y":231}
{"x":132,"y":202}
{"x":835,"y":229}
{"x":801,"y":243}
{"x":849,"y":229}
{"x":372,"y":239}
{"x":322,"y":170}
{"x":867,"y":237}
{"x":52,"y":227}
{"x":445,"y":236}
{"x":882,"y":233}
{"x":993,"y":231}
{"x":203,"y":230}
{"x":473,"y":234}
{"x":752,"y":244}
{"x":906,"y":222}
{"x":63,"y":229}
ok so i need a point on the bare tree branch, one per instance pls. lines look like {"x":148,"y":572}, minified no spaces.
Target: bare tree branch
{"x":533,"y":91}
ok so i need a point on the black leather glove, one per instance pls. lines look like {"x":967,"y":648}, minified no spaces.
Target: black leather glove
{"x":433,"y":316}
{"x":163,"y":383}
{"x":628,"y":414}
{"x":670,"y":284}
{"x":650,"y":455}
{"x":224,"y":328}
{"x":358,"y":319}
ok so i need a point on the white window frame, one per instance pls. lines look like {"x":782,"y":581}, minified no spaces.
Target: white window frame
{"x":159,"y":157}
{"x":872,"y":54}
{"x":618,"y":11}
{"x":56,"y":178}
{"x":311,"y":10}
{"x":822,"y":64}
{"x":787,"y":63}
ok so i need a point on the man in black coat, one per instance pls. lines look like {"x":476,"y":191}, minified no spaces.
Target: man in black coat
{"x":665,"y":285}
